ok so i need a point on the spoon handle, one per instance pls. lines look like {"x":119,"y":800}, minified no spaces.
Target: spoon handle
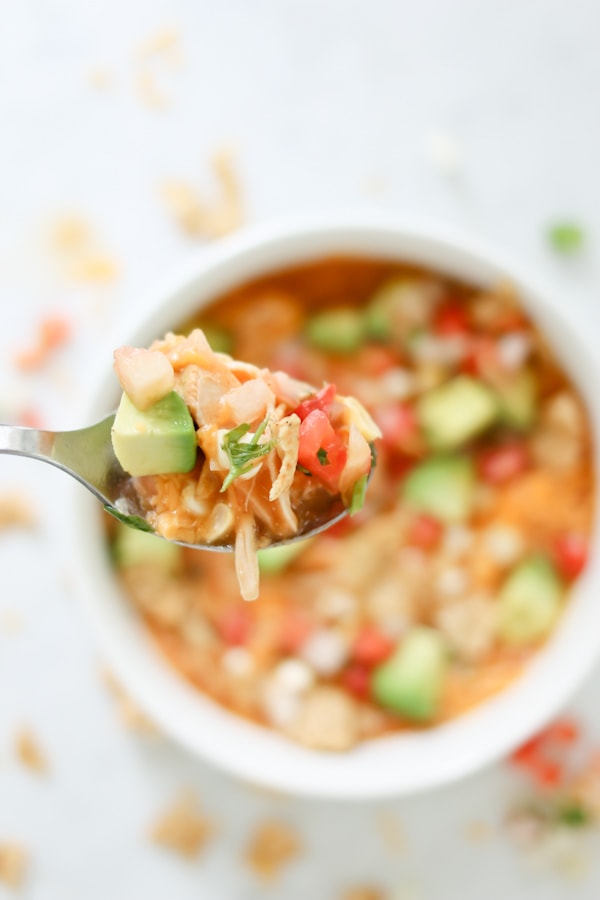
{"x":20,"y":441}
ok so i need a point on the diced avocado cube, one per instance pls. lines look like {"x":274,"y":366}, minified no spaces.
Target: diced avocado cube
{"x":518,"y":400}
{"x":529,"y":602}
{"x":457,"y":411}
{"x":158,"y":441}
{"x":336,"y":330}
{"x":442,"y":486}
{"x":272,"y":560}
{"x":132,"y":547}
{"x":410,"y":682}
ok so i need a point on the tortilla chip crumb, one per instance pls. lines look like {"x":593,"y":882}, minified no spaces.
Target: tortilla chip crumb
{"x":79,"y":251}
{"x":477,"y":832}
{"x":13,"y":864}
{"x":165,"y":44}
{"x":11,"y":621}
{"x":273,"y":846}
{"x":131,"y":715}
{"x":364,"y":893}
{"x":100,"y":78}
{"x":29,"y":751}
{"x":392,"y":831}
{"x":96,"y":268}
{"x":148,"y":92}
{"x":183,"y":828}
{"x":199,"y":218}
{"x":16,"y":511}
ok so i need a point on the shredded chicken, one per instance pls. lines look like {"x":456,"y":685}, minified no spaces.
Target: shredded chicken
{"x":267,"y":455}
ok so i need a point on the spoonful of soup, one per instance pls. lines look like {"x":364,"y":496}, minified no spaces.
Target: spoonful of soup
{"x":211,"y":452}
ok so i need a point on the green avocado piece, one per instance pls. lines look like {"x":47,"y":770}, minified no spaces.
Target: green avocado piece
{"x":442,"y":486}
{"x":132,"y":547}
{"x":159,"y":440}
{"x":518,"y":400}
{"x":410,"y":682}
{"x":219,"y":338}
{"x":457,"y":411}
{"x":272,"y":560}
{"x":529,"y":602}
{"x":336,"y":330}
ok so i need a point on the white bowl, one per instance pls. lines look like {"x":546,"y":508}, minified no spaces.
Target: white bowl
{"x":399,"y":763}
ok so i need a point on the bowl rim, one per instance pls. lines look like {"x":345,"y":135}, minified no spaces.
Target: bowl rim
{"x":401,"y":763}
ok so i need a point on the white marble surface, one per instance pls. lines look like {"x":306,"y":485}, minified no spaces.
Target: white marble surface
{"x":328,"y":103}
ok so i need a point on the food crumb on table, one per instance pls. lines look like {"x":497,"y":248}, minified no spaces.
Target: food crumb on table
{"x":183,"y":828}
{"x":392,"y":831}
{"x":11,"y":621}
{"x":29,"y":751}
{"x":198,"y":217}
{"x":273,"y":845}
{"x":478,"y":831}
{"x":13,"y":864}
{"x":79,"y":251}
{"x":101,"y":78}
{"x":365,"y":893}
{"x":129,"y":713}
{"x":16,"y":510}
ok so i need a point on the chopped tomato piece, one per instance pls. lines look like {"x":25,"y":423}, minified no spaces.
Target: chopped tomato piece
{"x":371,"y":647}
{"x":482,"y":358}
{"x":501,"y":464}
{"x":571,"y":553}
{"x":234,"y":625}
{"x":547,"y":772}
{"x":321,"y":450}
{"x":357,"y":679}
{"x":322,"y":400}
{"x":563,"y":731}
{"x":375,"y":359}
{"x":451,"y":319}
{"x":30,"y":418}
{"x":424,"y":532}
{"x":399,"y":425}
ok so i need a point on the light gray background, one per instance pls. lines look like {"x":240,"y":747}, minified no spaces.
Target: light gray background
{"x":329,"y":104}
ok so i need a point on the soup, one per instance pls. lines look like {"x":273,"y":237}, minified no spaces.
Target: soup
{"x":440,"y":590}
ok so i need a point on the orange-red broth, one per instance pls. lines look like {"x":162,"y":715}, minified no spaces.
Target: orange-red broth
{"x":346,"y":603}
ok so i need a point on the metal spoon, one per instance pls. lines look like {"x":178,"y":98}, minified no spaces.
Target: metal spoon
{"x":87,"y":455}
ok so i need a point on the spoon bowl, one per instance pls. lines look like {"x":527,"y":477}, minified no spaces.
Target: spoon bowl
{"x":87,"y":455}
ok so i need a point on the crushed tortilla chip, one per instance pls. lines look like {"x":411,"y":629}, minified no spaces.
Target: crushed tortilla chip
{"x":11,"y":621}
{"x":100,"y":78}
{"x":80,"y":252}
{"x":130,"y":714}
{"x":392,"y":831}
{"x":148,"y":91}
{"x":364,"y":893}
{"x":183,"y":828}
{"x":16,"y":511}
{"x":164,"y":44}
{"x":273,"y":846}
{"x":13,"y":864}
{"x":200,"y":218}
{"x":29,"y":751}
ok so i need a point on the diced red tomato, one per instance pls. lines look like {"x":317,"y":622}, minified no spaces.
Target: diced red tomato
{"x":375,"y":359}
{"x":322,"y":400}
{"x":547,"y":772}
{"x":371,"y":647}
{"x":451,"y":319}
{"x":571,"y":553}
{"x":357,"y":679}
{"x":528,"y":753}
{"x":398,"y":423}
{"x":563,"y":731}
{"x":424,"y":532}
{"x":30,"y":418}
{"x":234,"y":625}
{"x":321,"y":450}
{"x":498,"y":465}
{"x":295,"y":629}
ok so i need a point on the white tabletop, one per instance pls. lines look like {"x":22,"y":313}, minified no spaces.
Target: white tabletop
{"x":483,"y":115}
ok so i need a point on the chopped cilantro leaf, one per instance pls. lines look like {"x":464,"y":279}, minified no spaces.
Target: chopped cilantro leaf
{"x":566,"y":237}
{"x":322,"y":456}
{"x":244,"y":454}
